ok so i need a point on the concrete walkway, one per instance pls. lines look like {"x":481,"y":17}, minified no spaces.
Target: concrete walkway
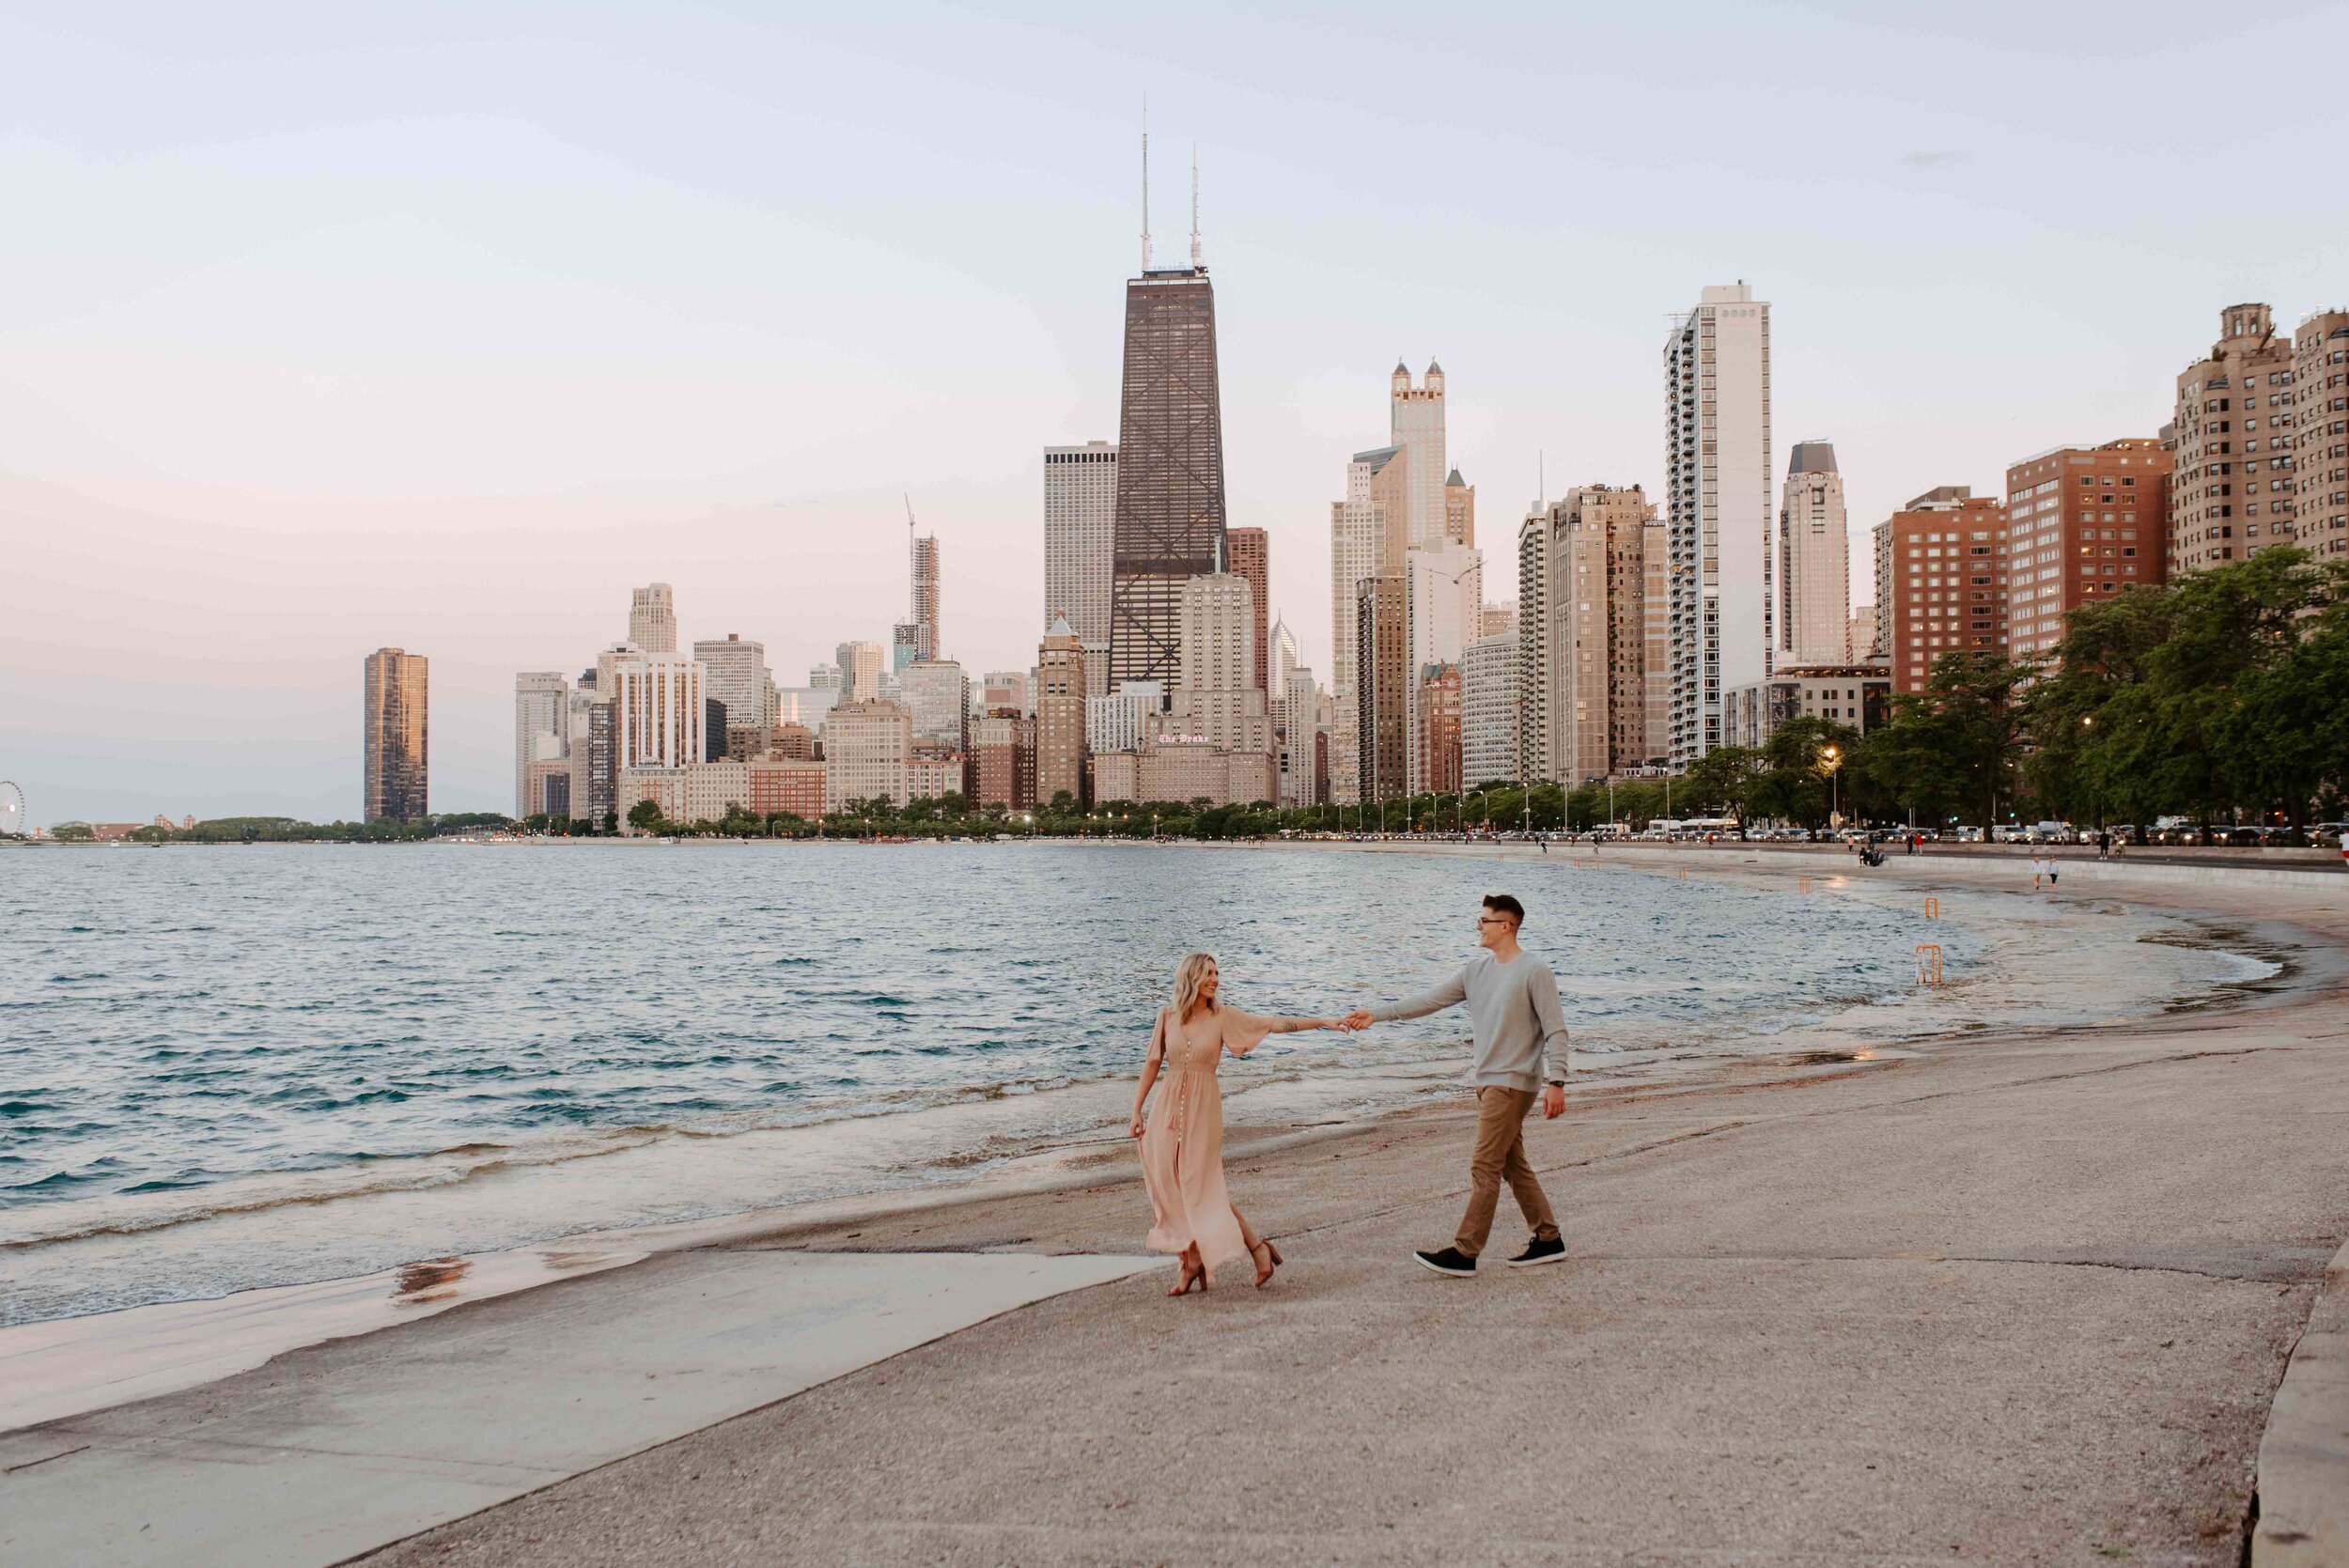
{"x":346,"y":1446}
{"x":2022,"y":1301}
{"x":2014,"y":1300}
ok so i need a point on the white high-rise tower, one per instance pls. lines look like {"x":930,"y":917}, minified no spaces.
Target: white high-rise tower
{"x":1720,"y":527}
{"x":1415,"y":422}
{"x":1080,"y":548}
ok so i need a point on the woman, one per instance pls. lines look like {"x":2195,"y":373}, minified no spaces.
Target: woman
{"x":1182,"y":1143}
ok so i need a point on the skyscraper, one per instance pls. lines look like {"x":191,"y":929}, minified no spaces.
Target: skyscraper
{"x":1459,"y":509}
{"x":1170,"y":460}
{"x":917,"y":636}
{"x":1590,"y":701}
{"x":591,"y":781}
{"x":652,"y":618}
{"x":1060,"y":715}
{"x":1436,"y":750}
{"x":1716,"y":421}
{"x":657,"y":717}
{"x":2234,"y":413}
{"x":1814,"y":559}
{"x":1381,"y":701}
{"x":1221,"y":700}
{"x":937,"y":697}
{"x":1488,"y":709}
{"x":1943,"y":581}
{"x":1415,"y":423}
{"x":542,"y":726}
{"x":393,"y":713}
{"x":735,"y":674}
{"x":2320,"y":382}
{"x":1080,"y":548}
{"x":1248,"y":554}
{"x":1367,"y":536}
{"x":859,"y":671}
{"x":2098,"y":513}
{"x":1443,"y":598}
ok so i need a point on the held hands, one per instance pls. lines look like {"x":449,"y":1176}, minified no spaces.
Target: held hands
{"x":1359,"y":1018}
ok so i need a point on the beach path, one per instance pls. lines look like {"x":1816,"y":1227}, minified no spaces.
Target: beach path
{"x":330,"y":1450}
{"x":2018,"y":1301}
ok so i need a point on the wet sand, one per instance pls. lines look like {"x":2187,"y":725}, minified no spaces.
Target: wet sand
{"x":1992,"y":1298}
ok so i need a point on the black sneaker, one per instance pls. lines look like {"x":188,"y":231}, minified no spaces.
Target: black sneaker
{"x":1538,"y":1252}
{"x":1451,"y":1260}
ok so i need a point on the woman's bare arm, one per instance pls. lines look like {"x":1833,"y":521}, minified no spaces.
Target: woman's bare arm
{"x":1149,"y":1073}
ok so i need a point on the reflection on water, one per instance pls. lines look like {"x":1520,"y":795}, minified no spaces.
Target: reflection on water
{"x":424,"y":1281}
{"x":69,"y":1365}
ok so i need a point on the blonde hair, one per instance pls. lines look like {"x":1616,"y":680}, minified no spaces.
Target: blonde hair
{"x":1188,"y":976}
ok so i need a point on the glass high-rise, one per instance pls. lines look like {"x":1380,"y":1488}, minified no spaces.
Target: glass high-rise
{"x":396,"y":739}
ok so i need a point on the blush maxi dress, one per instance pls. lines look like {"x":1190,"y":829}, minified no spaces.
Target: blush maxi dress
{"x":1182,"y":1143}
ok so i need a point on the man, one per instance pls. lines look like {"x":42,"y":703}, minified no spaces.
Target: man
{"x":1520,"y":1035}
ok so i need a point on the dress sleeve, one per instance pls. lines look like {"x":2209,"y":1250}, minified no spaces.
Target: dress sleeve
{"x":1158,"y":1039}
{"x":1244,"y":1031}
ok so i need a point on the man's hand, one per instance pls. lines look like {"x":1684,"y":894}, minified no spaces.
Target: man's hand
{"x":1554,"y":1102}
{"x":1359,"y":1018}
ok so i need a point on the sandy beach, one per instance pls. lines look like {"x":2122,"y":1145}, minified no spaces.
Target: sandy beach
{"x":2021,"y":1296}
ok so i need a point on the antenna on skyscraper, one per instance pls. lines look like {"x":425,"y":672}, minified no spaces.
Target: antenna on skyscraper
{"x":1146,"y":182}
{"x":1194,"y":206}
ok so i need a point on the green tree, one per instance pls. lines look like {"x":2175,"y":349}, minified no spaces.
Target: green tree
{"x":1952,"y":749}
{"x":644,"y":817}
{"x":1723,"y":781}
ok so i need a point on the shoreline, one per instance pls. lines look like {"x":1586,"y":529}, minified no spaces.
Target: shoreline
{"x":1680,"y":1155}
{"x":218,"y":1335}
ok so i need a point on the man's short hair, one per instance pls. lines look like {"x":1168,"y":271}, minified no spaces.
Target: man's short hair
{"x":1502,"y":903}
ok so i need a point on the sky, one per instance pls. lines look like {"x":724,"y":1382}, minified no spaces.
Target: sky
{"x":442,"y":326}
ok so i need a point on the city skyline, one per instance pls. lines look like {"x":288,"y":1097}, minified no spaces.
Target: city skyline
{"x":142,"y":505}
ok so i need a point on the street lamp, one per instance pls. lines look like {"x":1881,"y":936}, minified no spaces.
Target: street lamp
{"x":1832,"y":759}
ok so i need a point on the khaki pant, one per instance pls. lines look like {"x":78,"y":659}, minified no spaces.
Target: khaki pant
{"x":1501,"y":1156}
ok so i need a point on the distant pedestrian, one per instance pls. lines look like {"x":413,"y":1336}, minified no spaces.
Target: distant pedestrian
{"x":2103,"y":845}
{"x":2344,"y":849}
{"x":2038,"y":873}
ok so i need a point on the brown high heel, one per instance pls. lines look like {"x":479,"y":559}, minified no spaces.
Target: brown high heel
{"x":1191,"y":1277}
{"x":1263,"y":1272}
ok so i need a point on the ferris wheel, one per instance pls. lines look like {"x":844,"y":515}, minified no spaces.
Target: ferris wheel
{"x":11,"y":807}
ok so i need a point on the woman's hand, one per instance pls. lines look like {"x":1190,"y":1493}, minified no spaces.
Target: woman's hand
{"x":1133,"y":1128}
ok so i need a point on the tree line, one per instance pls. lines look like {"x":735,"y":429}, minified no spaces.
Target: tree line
{"x":2216,"y":697}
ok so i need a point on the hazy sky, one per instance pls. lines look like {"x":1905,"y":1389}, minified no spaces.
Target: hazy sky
{"x":325,"y":327}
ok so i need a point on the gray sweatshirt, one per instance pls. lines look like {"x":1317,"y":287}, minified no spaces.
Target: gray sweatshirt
{"x":1519,"y":1029}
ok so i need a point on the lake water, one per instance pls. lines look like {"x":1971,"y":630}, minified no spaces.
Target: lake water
{"x":226,"y":1067}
